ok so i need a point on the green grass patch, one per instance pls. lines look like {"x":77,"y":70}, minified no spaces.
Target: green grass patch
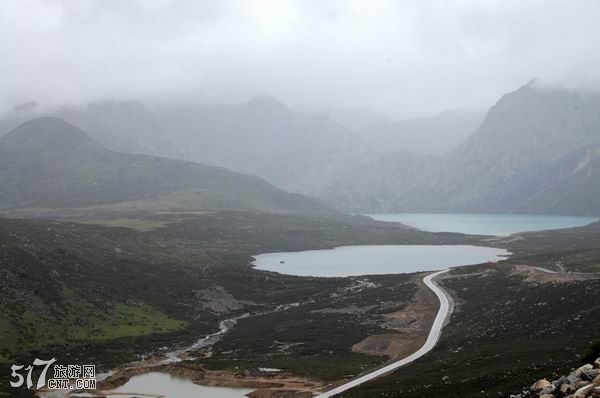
{"x":76,"y":320}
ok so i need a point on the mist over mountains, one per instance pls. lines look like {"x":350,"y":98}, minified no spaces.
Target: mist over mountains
{"x":535,"y":151}
{"x":49,"y":163}
{"x":434,"y":135}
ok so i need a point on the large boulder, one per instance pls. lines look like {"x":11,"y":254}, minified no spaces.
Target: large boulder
{"x":548,"y":390}
{"x":540,"y":385}
{"x":590,"y":374}
{"x":584,"y":392}
{"x":582,"y":369}
{"x":562,"y":380}
{"x":566,"y":389}
{"x":581,"y":383}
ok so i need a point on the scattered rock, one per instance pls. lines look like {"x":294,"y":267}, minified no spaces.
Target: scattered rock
{"x":590,"y":374}
{"x":582,"y":369}
{"x":567,"y":388}
{"x":583,"y":391}
{"x":572,"y":378}
{"x":548,"y":390}
{"x":539,"y":385}
{"x":561,"y":381}
{"x":583,"y":382}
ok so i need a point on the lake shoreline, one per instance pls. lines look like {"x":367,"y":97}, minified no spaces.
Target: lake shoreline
{"x":214,"y":378}
{"x":499,"y":225}
{"x":350,"y":261}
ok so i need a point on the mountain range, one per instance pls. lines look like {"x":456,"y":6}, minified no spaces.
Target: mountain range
{"x":50,"y":163}
{"x":534,"y":151}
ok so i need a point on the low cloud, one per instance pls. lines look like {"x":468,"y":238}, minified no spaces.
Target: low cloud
{"x":393,"y":57}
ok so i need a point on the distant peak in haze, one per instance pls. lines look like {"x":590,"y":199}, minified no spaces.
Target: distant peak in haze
{"x":539,"y":85}
{"x":49,"y":131}
{"x":533,"y":86}
{"x":534,"y":82}
{"x":27,"y":106}
{"x":266,"y":103}
{"x":42,"y":125}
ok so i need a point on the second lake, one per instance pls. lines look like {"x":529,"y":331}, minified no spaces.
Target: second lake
{"x":483,"y":224}
{"x":376,"y":259}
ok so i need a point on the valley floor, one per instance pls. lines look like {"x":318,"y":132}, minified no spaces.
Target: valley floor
{"x":107,"y":294}
{"x":176,"y":275}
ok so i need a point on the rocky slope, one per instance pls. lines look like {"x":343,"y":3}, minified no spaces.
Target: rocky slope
{"x":583,"y":382}
{"x":536,"y":151}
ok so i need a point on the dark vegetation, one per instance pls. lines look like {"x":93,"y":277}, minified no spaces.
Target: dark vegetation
{"x":592,"y":353}
{"x":313,"y":338}
{"x":91,"y":269}
{"x":251,"y":233}
{"x":105,"y":294}
{"x":505,"y":332}
{"x":572,"y":249}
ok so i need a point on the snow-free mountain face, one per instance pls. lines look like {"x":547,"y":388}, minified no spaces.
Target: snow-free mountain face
{"x":506,"y":163}
{"x":295,"y":152}
{"x":307,"y":154}
{"x":531,"y":143}
{"x":532,"y":125}
{"x":50,"y":163}
{"x":536,"y":151}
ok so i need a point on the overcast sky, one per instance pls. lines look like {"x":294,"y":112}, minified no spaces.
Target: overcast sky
{"x":391,"y":56}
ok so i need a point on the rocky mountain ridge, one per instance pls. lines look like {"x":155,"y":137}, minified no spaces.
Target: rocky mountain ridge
{"x":536,"y":151}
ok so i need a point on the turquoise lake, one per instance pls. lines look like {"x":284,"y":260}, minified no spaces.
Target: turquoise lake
{"x":483,"y":224}
{"x":390,"y":259}
{"x":375,"y":259}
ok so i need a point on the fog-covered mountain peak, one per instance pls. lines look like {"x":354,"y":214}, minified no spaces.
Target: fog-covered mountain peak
{"x":266,"y":104}
{"x":45,"y":133}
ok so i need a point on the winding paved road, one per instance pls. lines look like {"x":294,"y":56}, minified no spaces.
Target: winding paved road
{"x":432,"y":339}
